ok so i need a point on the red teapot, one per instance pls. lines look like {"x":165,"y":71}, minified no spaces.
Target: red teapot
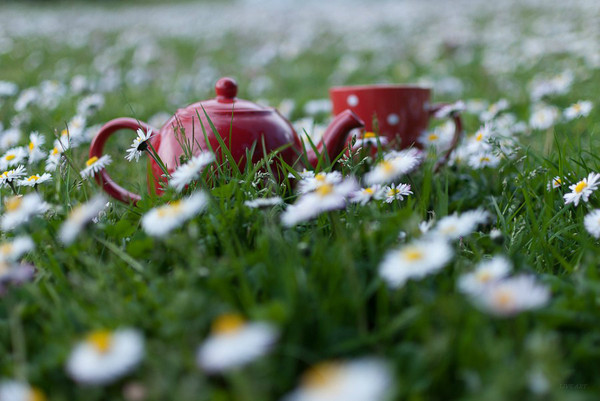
{"x":239,"y":123}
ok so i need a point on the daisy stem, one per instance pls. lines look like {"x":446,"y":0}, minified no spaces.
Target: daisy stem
{"x":12,"y":186}
{"x":18,"y":342}
{"x":152,"y":152}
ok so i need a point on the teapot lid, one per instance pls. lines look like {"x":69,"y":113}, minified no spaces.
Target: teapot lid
{"x":226,"y":100}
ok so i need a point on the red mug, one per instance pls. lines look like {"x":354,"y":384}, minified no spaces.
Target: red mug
{"x":402,"y":112}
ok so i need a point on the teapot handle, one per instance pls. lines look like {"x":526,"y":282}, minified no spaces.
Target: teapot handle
{"x":458,"y":130}
{"x":97,"y":147}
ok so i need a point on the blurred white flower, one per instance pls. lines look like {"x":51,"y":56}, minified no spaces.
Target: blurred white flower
{"x":79,"y":217}
{"x":493,"y":110}
{"x":234,"y":342}
{"x":326,"y":197}
{"x":263,"y":202}
{"x":11,"y":250}
{"x":394,"y":165}
{"x":8,"y":89}
{"x":555,"y":183}
{"x":311,"y":181}
{"x":94,"y":165}
{"x":364,"y":379}
{"x":13,"y":157}
{"x":163,"y":219}
{"x":579,"y":109}
{"x":509,"y":296}
{"x":53,"y":159}
{"x":370,"y":139}
{"x":8,"y":177}
{"x":481,"y":160}
{"x":582,"y":190}
{"x":415,"y":261}
{"x":13,"y":390}
{"x":592,"y":223}
{"x":364,"y":195}
{"x":190,"y":171}
{"x":34,"y":149}
{"x":19,"y":209}
{"x":456,"y":226}
{"x":543,"y":117}
{"x":90,"y":104}
{"x":105,"y":356}
{"x":10,"y":138}
{"x":487,"y":272}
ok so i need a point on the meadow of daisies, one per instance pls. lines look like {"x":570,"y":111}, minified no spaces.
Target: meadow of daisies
{"x":372,"y":277}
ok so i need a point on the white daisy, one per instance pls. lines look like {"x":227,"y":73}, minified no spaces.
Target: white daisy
{"x":263,"y":202}
{"x":414,"y":261}
{"x":139,"y":145}
{"x":34,"y":180}
{"x":12,"y":390}
{"x":94,"y":165}
{"x":90,"y":104}
{"x":583,"y":189}
{"x":34,"y":150}
{"x":493,"y":110}
{"x":75,"y":132}
{"x":79,"y":217}
{"x":234,"y":342}
{"x":543,"y":117}
{"x":364,"y":195}
{"x":592,"y":223}
{"x":19,"y":209}
{"x":190,"y":171}
{"x":482,"y":160}
{"x":12,"y":250}
{"x":394,"y":165}
{"x":555,"y":183}
{"x":450,"y":109}
{"x":311,"y":181}
{"x":480,"y":141}
{"x":396,"y":192}
{"x":104,"y":356}
{"x":10,"y":138}
{"x":370,"y":139}
{"x":365,"y":379}
{"x":509,"y":296}
{"x":579,"y":109}
{"x":14,"y":274}
{"x":457,"y":226}
{"x":8,"y":177}
{"x":487,"y":272}
{"x":161,"y":220}
{"x":325,"y":198}
{"x":440,"y":138}
{"x":8,"y":89}
{"x":53,"y":159}
{"x":13,"y":157}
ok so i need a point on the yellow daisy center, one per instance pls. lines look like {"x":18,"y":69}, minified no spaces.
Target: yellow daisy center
{"x":484,"y":276}
{"x":412,"y":254}
{"x":31,"y":146}
{"x":13,"y":203}
{"x":577,"y":107}
{"x":325,"y":189}
{"x":484,"y":159}
{"x":581,"y":185}
{"x":170,"y":209}
{"x":64,"y":132}
{"x":228,"y":323}
{"x":504,"y":299}
{"x":479,"y":136}
{"x":101,"y":340}
{"x":387,"y":166}
{"x":36,"y":395}
{"x":369,"y":135}
{"x":55,"y":151}
{"x":433,"y":137}
{"x":33,"y":178}
{"x":393,"y":191}
{"x":369,"y":191}
{"x":10,"y":157}
{"x":91,"y":160}
{"x":320,"y":177}
{"x":6,"y":248}
{"x":321,"y":375}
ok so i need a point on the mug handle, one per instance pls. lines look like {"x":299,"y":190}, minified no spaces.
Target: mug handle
{"x":458,"y":130}
{"x":97,"y":147}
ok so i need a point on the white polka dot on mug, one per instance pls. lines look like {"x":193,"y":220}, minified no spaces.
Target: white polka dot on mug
{"x":352,"y":100}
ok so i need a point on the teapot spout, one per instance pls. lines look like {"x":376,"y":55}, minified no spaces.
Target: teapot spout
{"x":336,"y":136}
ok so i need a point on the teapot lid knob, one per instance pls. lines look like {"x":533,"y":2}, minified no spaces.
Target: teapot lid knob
{"x":226,"y":88}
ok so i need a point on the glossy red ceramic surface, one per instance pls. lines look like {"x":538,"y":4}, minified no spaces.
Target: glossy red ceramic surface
{"x":240,"y":124}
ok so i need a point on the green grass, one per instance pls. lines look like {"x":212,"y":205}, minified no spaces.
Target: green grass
{"x":318,"y":281}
